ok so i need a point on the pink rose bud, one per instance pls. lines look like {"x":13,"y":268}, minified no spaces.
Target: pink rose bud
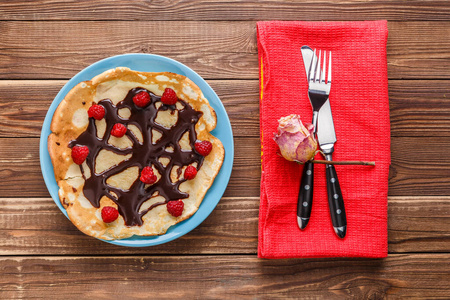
{"x":296,"y":142}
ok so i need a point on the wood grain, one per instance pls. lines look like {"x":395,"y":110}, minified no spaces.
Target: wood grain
{"x":225,"y":10}
{"x":24,"y":104}
{"x":418,"y":167}
{"x":216,"y":50}
{"x":409,"y":217}
{"x":225,"y":277}
{"x":416,"y":224}
{"x":417,"y":107}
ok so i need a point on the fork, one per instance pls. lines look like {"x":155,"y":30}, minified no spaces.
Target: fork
{"x":318,"y":93}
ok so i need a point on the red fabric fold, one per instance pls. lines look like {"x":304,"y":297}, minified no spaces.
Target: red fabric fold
{"x":360,"y":106}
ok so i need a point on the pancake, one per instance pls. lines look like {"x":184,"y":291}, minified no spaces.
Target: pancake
{"x":159,"y":135}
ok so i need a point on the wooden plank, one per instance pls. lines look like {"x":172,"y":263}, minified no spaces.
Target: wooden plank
{"x":417,"y":107}
{"x":418,"y":167}
{"x":413,"y":62}
{"x":416,"y":224}
{"x":216,"y":50}
{"x":413,"y":172}
{"x":24,"y":104}
{"x":225,"y":10}
{"x":225,"y":277}
{"x":231,"y":228}
{"x":19,"y":160}
{"x":410,"y":230}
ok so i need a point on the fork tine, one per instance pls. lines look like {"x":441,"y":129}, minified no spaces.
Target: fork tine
{"x":312,"y":67}
{"x":324,"y":68}
{"x":317,"y":77}
{"x":329,"y":70}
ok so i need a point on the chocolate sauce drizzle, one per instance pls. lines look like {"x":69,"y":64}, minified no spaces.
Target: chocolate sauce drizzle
{"x":143,"y":154}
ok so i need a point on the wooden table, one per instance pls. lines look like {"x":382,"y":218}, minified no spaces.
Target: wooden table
{"x":44,"y":43}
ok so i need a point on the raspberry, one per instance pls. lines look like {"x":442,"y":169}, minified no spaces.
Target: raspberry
{"x":118,"y":130}
{"x":147,"y":175}
{"x":79,"y":154}
{"x":141,"y":99}
{"x":96,"y":111}
{"x":203,"y":148}
{"x":190,"y":173}
{"x":169,"y":97}
{"x":109,"y":214}
{"x":175,"y":208}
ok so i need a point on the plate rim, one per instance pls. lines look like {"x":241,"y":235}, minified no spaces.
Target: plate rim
{"x":224,"y":173}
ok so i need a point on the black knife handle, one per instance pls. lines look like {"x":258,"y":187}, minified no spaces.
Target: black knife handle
{"x":336,"y":202}
{"x":305,"y":195}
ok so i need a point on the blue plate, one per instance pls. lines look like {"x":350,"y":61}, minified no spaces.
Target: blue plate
{"x":149,"y":63}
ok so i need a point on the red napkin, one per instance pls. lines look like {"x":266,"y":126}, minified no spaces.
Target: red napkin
{"x":360,"y":105}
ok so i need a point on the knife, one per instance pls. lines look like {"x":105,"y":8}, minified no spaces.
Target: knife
{"x":305,"y":195}
{"x":326,"y":137}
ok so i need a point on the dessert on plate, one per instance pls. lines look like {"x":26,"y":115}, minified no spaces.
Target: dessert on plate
{"x":132,"y":152}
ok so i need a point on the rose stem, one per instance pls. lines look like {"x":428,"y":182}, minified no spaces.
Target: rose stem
{"x":364,"y":163}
